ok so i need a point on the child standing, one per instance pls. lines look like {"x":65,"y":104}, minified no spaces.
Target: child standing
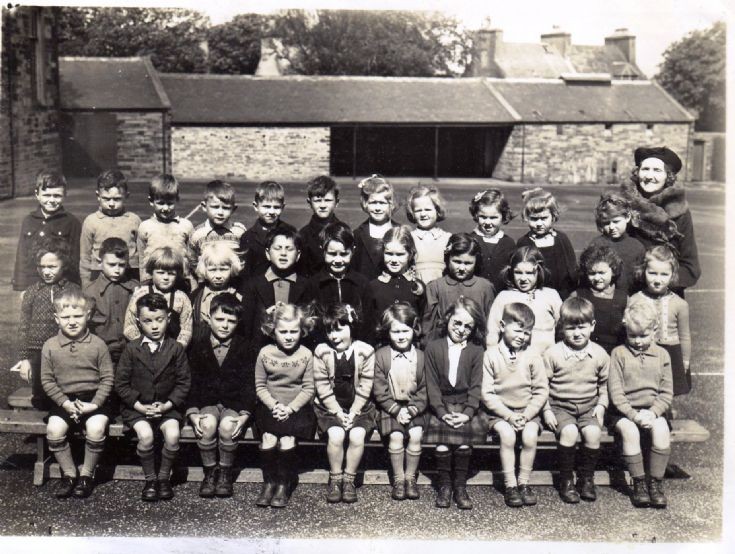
{"x":525,"y":277}
{"x":217,"y":271}
{"x":400,"y":391}
{"x":111,"y":292}
{"x":541,"y":211}
{"x":219,"y":204}
{"x":76,"y":374}
{"x":396,"y":282}
{"x":48,"y":220}
{"x":658,"y":272}
{"x":322,"y":195}
{"x":425,"y":208}
{"x":164,"y":228}
{"x":490,"y":210}
{"x":515,"y":389}
{"x":376,"y":199}
{"x":600,"y":269}
{"x":37,"y":315}
{"x":270,"y":199}
{"x":461,"y":255}
{"x":153,"y":380}
{"x":222,"y":397}
{"x":284,"y":384}
{"x":111,"y":220}
{"x":641,"y":391}
{"x":612,"y":215}
{"x":454,"y":383}
{"x":577,"y":370}
{"x":343,"y":378}
{"x":165,"y":266}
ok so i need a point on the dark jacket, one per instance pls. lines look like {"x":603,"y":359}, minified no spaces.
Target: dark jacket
{"x":312,"y":257}
{"x":468,"y":388}
{"x":368,"y":257}
{"x":381,"y":384}
{"x":252,"y":245}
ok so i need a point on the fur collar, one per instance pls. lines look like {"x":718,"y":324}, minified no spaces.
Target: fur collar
{"x":653,"y":217}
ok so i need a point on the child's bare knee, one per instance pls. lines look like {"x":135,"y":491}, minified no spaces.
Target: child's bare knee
{"x":592,"y":435}
{"x":442,"y":448}
{"x":506,"y":434}
{"x":144,"y":433}
{"x":568,"y":435}
{"x":96,"y":427}
{"x":268,"y":441}
{"x":414,"y":437}
{"x":660,"y":434}
{"x":287,"y":443}
{"x":171,"y":433}
{"x":395,"y":442}
{"x":56,"y":428}
{"x":357,"y":436}
{"x":336,"y":435}
{"x":208,"y":425}
{"x":226,"y":428}
{"x":529,"y":436}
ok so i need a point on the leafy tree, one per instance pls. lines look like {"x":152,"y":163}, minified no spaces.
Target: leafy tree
{"x":385,"y":43}
{"x":234,"y":47}
{"x":171,"y":37}
{"x":693,"y":71}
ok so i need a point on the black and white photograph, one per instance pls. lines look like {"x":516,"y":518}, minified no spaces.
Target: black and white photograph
{"x":316,"y":276}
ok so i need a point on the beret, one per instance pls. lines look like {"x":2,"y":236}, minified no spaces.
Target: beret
{"x":663,"y":153}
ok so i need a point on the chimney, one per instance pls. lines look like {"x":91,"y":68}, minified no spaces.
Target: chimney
{"x":625,"y":42}
{"x":558,"y":39}
{"x":488,"y":43}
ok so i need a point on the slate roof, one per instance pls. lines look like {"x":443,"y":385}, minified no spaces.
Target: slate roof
{"x":520,"y":59}
{"x":217,"y":99}
{"x":601,"y":59}
{"x":110,"y":84}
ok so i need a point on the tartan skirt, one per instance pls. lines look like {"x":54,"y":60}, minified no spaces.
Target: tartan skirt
{"x":365,"y":419}
{"x":388,"y":424}
{"x":472,"y":432}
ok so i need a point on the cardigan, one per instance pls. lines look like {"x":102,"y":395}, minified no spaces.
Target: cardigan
{"x":495,"y":253}
{"x":37,"y":316}
{"x":286,"y":378}
{"x":347,"y":290}
{"x":468,"y":386}
{"x":443,"y":292}
{"x":324,"y":366}
{"x":673,"y":320}
{"x":231,"y":383}
{"x":96,"y":228}
{"x":418,"y":397}
{"x":368,"y":256}
{"x":560,"y":261}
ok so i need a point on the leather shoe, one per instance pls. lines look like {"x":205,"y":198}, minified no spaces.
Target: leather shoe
{"x":399,"y":490}
{"x":334,"y":490}
{"x":65,"y":488}
{"x":150,"y":492}
{"x":587,"y":489}
{"x":527,"y":495}
{"x":206,"y":489}
{"x":266,"y":494}
{"x":462,"y":499}
{"x":640,"y":497}
{"x":223,"y":488}
{"x":412,"y":491}
{"x":349,"y":493}
{"x":165,"y":492}
{"x":444,"y":497}
{"x":567,"y":492}
{"x":656,"y":493}
{"x":280,"y":496}
{"x":512,"y":497}
{"x":84,"y":487}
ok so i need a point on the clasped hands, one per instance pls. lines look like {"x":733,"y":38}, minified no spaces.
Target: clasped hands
{"x":78,"y":408}
{"x":455,"y":419}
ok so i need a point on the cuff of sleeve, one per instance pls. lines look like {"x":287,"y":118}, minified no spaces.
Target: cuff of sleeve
{"x":99,"y":400}
{"x":413,"y":410}
{"x":631,"y":413}
{"x":244,"y":413}
{"x":192,"y":411}
{"x":441,"y":411}
{"x":469,"y":412}
{"x":394,"y":409}
{"x":656,"y":410}
{"x":60,"y":399}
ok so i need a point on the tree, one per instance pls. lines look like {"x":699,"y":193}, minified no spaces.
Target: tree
{"x":234,"y":47}
{"x":172,"y":37}
{"x":693,"y":70}
{"x":386,"y":43}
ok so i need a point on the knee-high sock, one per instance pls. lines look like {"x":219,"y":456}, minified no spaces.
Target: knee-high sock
{"x":168,"y":457}
{"x":659,"y":460}
{"x":227,"y":453}
{"x":412,"y":462}
{"x":287,"y":466}
{"x":565,"y":460}
{"x":62,"y":453}
{"x":92,"y":452}
{"x":268,"y":463}
{"x":443,"y":467}
{"x":461,"y":466}
{"x":396,"y":462}
{"x":148,"y":463}
{"x":634,"y":463}
{"x":208,"y":452}
{"x":588,"y":461}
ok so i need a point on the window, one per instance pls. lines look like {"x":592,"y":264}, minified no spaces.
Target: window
{"x":37,"y":38}
{"x":559,"y":130}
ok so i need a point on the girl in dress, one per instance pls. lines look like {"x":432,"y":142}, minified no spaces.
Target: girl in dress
{"x":425,"y":208}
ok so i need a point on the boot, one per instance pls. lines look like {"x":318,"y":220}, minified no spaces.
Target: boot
{"x":640,"y":497}
{"x":412,"y":490}
{"x":334,"y":488}
{"x":223,"y":488}
{"x":656,"y":493}
{"x":65,"y":487}
{"x":444,"y":480}
{"x":586,"y":487}
{"x":567,"y":492}
{"x":461,"y":465}
{"x":206,"y":489}
{"x":268,"y":460}
{"x":444,"y":496}
{"x":284,"y":478}
{"x":349,"y":493}
{"x":399,"y":490}
{"x":512,"y":497}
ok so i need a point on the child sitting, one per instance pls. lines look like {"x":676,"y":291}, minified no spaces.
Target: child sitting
{"x":400,"y":391}
{"x":425,"y":208}
{"x":222,"y":397}
{"x":153,"y":380}
{"x":48,"y":220}
{"x":577,"y":370}
{"x":284,"y":384}
{"x":376,"y":199}
{"x":343,"y":378}
{"x":111,"y":292}
{"x":640,"y":389}
{"x":111,"y":220}
{"x":217,"y":271}
{"x":76,"y":374}
{"x":165,"y":266}
{"x":322,"y":195}
{"x":515,"y":389}
{"x":37,"y":314}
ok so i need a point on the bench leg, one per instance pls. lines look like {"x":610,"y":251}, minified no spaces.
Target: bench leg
{"x":40,"y":468}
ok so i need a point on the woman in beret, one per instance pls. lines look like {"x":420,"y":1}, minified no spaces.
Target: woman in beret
{"x":660,"y":211}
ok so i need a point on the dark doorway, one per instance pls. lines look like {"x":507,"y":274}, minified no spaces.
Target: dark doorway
{"x":88,"y":143}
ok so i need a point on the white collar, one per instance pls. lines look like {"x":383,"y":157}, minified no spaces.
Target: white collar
{"x":579,"y":354}
{"x":271,"y":276}
{"x":434,"y":233}
{"x":459,"y":345}
{"x":156,"y":343}
{"x":495,"y":239}
{"x":410,"y":355}
{"x":347,"y":353}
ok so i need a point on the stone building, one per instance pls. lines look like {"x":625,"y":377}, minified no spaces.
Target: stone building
{"x":29,"y":98}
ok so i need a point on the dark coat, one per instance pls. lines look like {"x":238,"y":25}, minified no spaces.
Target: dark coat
{"x":368,"y":257}
{"x":312,"y":257}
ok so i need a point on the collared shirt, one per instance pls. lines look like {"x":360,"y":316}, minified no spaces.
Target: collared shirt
{"x":544,"y":241}
{"x":220,"y":348}
{"x":573,"y":353}
{"x":577,"y":376}
{"x":455,"y":351}
{"x":153,"y":345}
{"x":402,"y":373}
{"x":96,"y":228}
{"x":495,"y":239}
{"x":640,"y":379}
{"x":281,"y":285}
{"x":379,"y":231}
{"x":345,"y":354}
{"x":111,"y":302}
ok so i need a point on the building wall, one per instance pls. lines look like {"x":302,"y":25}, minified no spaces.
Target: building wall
{"x":582,"y":153}
{"x":714,"y":155}
{"x":143,"y":145}
{"x":29,"y":100}
{"x":251,"y":153}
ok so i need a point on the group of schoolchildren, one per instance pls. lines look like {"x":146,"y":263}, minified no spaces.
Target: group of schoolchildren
{"x":432,"y":337}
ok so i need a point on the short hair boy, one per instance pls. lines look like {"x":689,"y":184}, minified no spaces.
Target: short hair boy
{"x":218,"y":204}
{"x":268,"y":205}
{"x":77,"y":375}
{"x":322,"y":195}
{"x":48,"y":219}
{"x":515,"y":389}
{"x":612,"y":215}
{"x":164,"y":228}
{"x":222,"y":395}
{"x":110,"y":220}
{"x":111,"y":292}
{"x":577,"y":370}
{"x":153,"y":380}
{"x":641,"y":389}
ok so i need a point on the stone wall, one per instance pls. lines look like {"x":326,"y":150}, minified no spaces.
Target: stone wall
{"x":250,"y":153}
{"x":582,"y":153}
{"x":29,"y":136}
{"x":143,"y":145}
{"x":714,"y":155}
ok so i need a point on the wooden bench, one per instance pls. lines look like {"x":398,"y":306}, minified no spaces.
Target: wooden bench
{"x":25,"y":421}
